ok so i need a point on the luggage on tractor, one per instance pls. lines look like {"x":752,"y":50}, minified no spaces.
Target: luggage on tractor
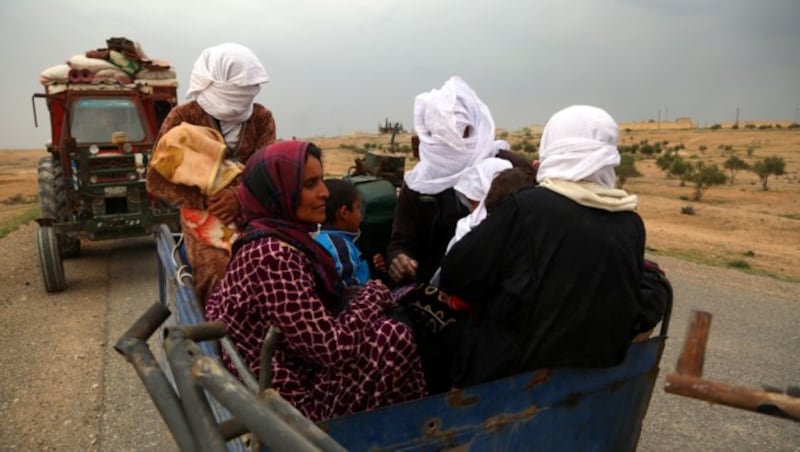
{"x":106,"y":108}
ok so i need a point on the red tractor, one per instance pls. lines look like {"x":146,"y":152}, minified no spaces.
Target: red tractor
{"x":92,"y":185}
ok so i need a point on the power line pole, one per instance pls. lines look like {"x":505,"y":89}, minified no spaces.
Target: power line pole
{"x":737,"y":117}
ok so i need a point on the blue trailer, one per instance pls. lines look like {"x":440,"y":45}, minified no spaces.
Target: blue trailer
{"x":207,"y":408}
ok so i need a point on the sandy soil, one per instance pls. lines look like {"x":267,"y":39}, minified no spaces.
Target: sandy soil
{"x":737,"y":225}
{"x":733,"y":223}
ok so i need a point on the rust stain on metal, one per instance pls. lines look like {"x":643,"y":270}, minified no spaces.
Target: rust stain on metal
{"x":432,"y":429}
{"x":459,"y":399}
{"x":573,"y":399}
{"x":539,"y":377}
{"x":496,"y":423}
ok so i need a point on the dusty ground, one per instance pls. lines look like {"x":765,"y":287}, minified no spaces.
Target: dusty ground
{"x":737,"y":225}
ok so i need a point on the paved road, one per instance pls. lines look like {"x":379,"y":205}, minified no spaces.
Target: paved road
{"x":64,"y":388}
{"x":754,"y":340}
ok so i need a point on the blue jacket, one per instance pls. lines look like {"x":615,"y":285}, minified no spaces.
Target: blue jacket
{"x":341,"y":245}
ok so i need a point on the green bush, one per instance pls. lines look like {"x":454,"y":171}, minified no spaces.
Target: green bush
{"x":626,"y":169}
{"x":738,"y":263}
{"x":767,"y":167}
{"x":734,"y":164}
{"x":703,"y":176}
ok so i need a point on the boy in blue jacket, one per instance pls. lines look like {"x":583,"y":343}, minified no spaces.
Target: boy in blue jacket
{"x":341,"y":229}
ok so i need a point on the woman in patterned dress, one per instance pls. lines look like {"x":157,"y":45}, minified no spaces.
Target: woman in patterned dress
{"x":332,"y":359}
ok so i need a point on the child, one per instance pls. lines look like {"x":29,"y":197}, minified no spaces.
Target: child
{"x":505,"y":183}
{"x":340,"y":231}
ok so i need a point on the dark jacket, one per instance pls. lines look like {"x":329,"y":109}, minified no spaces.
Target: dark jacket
{"x":552,"y":284}
{"x":424,"y":224}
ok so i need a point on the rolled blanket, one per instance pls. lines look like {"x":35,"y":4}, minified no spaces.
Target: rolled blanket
{"x":194,"y":155}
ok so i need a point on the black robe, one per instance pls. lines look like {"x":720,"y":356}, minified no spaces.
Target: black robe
{"x":553,"y":284}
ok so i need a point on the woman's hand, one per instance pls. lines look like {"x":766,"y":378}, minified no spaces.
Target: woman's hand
{"x":402,"y":267}
{"x":379,"y":263}
{"x":224,"y":205}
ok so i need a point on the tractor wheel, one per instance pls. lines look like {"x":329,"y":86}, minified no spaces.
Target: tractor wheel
{"x":50,"y":264}
{"x":53,"y":202}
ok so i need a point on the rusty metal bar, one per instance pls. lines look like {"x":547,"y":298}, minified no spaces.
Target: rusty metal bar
{"x":267,"y":349}
{"x":300,"y":423}
{"x":687,"y":379}
{"x":198,"y":412}
{"x":779,"y":405}
{"x":693,"y":354}
{"x":134,"y":347}
{"x":259,"y":418}
{"x":241,"y":368}
{"x":232,"y":428}
{"x":208,"y":331}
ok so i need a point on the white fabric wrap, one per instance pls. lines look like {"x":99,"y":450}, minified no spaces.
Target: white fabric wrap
{"x":440,"y":119}
{"x":225,"y":80}
{"x":579,"y":143}
{"x":475,"y":182}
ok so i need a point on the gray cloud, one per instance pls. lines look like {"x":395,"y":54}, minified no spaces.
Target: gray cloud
{"x":342,"y":66}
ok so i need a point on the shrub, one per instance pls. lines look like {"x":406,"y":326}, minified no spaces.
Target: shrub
{"x":703,"y":147}
{"x":794,"y":125}
{"x":734,"y":164}
{"x":749,"y":253}
{"x":735,"y":127}
{"x":768,"y":167}
{"x":703,"y":177}
{"x":716,"y":127}
{"x":687,"y":210}
{"x":647,"y":149}
{"x":529,"y":147}
{"x":738,"y":263}
{"x":626,"y":169}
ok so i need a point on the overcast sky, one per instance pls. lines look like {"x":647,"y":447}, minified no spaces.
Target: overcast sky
{"x":340,"y":66}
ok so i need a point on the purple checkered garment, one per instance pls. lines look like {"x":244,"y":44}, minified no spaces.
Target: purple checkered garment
{"x":324,"y":365}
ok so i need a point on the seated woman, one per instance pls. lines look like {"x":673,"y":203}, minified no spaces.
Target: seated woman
{"x":553,"y":275}
{"x":331,"y":360}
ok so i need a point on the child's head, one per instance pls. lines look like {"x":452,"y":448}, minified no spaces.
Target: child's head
{"x":505,"y":183}
{"x":343,"y":208}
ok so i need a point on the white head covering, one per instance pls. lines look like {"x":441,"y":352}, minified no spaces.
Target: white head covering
{"x":440,"y":118}
{"x":225,"y":80}
{"x":580,"y":143}
{"x":474,"y":183}
{"x":502,"y":145}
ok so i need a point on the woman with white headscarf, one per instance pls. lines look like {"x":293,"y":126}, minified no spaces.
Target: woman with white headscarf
{"x":553,"y":275}
{"x":223,"y":85}
{"x":456,"y":131}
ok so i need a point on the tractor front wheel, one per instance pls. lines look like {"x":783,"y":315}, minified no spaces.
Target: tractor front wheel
{"x":50,"y":264}
{"x":53,"y":202}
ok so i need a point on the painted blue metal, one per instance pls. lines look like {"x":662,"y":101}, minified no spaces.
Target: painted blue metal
{"x":182,"y":302}
{"x":552,"y":410}
{"x":562,"y":409}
